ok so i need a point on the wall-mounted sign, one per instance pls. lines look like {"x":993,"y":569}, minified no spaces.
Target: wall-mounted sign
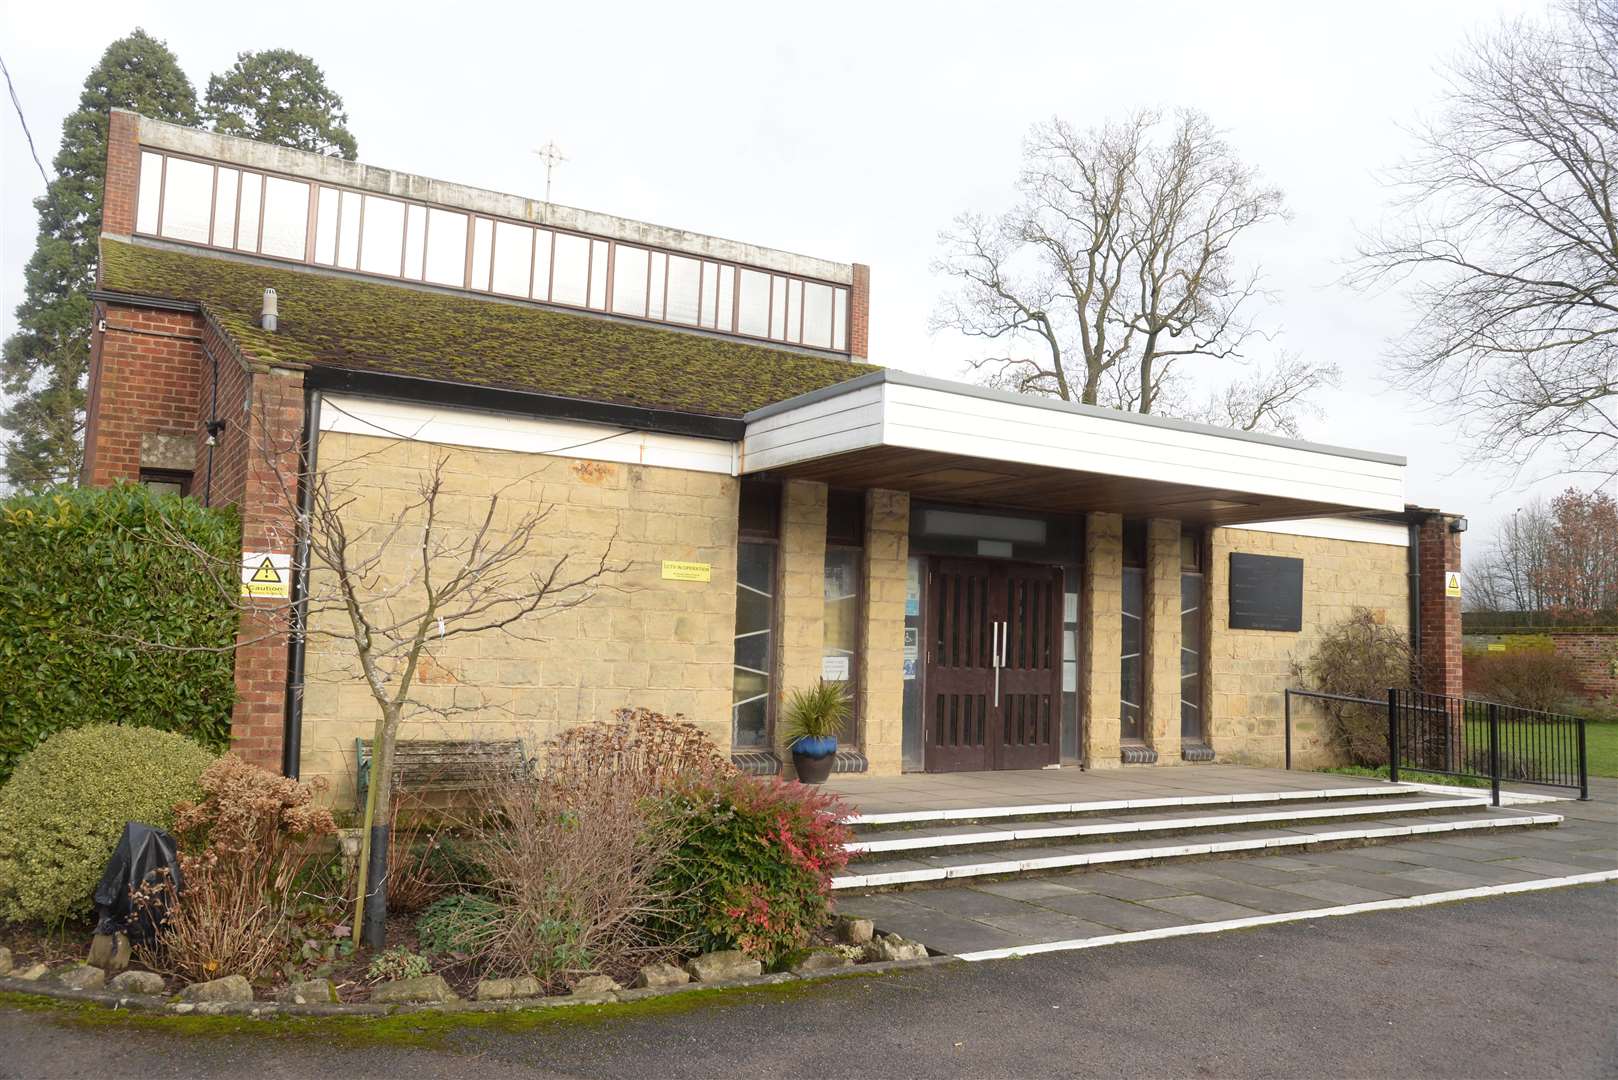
{"x":1266,"y":592}
{"x":687,"y":571}
{"x":1495,"y":646}
{"x":1452,"y":583}
{"x":834,"y":668}
{"x":266,"y":575}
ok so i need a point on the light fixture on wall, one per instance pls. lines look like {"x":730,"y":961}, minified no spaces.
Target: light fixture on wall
{"x":1457,"y":525}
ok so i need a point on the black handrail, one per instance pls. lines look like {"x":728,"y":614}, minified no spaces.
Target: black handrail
{"x":1287,"y":709}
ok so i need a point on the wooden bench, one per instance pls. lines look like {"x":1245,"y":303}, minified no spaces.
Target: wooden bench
{"x":443,"y":764}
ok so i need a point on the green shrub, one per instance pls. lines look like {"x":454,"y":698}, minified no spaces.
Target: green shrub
{"x":456,"y":924}
{"x":398,"y":963}
{"x":754,"y":870}
{"x":66,"y":803}
{"x":88,"y":579}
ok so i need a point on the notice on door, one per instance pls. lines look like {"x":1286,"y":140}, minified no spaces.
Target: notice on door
{"x":266,"y":575}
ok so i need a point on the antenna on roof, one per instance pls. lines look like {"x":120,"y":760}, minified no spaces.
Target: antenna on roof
{"x":552,"y":156}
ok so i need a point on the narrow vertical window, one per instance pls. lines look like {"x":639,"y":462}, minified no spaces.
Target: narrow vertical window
{"x":1132,"y":667}
{"x":840,"y":652}
{"x":1191,"y":585}
{"x":759,"y":528}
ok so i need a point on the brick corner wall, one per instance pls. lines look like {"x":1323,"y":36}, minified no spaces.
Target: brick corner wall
{"x":1439,"y":551}
{"x":122,"y":189}
{"x":859,"y":312}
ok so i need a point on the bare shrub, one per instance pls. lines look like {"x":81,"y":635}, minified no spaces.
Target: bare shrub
{"x":243,"y":846}
{"x":638,"y":747}
{"x":1527,"y":678}
{"x":572,"y":853}
{"x":1360,"y":657}
{"x":421,"y":864}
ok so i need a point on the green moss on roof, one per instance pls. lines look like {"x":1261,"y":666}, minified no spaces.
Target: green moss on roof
{"x":337,"y":321}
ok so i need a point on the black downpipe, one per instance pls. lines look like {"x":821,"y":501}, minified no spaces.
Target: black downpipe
{"x":292,"y":737}
{"x":213,"y":425}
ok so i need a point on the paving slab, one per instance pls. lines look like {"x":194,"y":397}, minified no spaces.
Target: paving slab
{"x":1043,"y":925}
{"x":1121,"y":886}
{"x":1202,"y":908}
{"x":1118,"y":914}
{"x":1335,"y":892}
{"x":1257,"y":897}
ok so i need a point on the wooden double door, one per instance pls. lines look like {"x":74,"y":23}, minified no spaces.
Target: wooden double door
{"x":993,"y":690}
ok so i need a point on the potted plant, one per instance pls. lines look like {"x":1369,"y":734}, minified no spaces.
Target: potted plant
{"x":814,"y":717}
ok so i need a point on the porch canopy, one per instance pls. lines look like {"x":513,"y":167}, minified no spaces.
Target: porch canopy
{"x":955,"y":442}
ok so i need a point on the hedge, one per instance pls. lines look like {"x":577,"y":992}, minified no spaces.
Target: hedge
{"x":90,"y":577}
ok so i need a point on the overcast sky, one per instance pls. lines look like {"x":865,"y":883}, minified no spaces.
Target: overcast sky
{"x":852,"y":132}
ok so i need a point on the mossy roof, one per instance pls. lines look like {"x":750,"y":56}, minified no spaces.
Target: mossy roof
{"x":351,"y":323}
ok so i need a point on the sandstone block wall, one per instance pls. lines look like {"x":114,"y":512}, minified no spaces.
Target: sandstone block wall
{"x":1248,"y":670}
{"x":635,"y":640}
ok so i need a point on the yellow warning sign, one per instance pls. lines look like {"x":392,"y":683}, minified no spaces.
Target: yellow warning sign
{"x":687,"y":571}
{"x":266,"y":575}
{"x":1452,"y":583}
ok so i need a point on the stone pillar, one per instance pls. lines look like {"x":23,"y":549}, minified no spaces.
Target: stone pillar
{"x":1440,"y":615}
{"x":800,"y":599}
{"x":1162,"y":636}
{"x":1102,"y":603}
{"x":881,"y":692}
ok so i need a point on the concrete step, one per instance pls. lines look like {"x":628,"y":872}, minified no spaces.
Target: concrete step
{"x":924,"y":867}
{"x":1058,"y":828}
{"x":864,"y":823}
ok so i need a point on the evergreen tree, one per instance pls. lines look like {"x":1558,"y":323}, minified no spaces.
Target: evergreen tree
{"x":279,"y":96}
{"x":45,"y":362}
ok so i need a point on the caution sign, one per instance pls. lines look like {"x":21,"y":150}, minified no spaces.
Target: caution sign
{"x":1452,"y":583}
{"x":266,"y":575}
{"x":687,"y":571}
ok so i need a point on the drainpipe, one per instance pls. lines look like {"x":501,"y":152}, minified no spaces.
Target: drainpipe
{"x":292,"y":739}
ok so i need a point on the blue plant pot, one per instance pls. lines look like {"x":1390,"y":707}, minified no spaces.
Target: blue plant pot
{"x":813,"y":757}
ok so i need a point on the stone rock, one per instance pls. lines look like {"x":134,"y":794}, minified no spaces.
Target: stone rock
{"x":137,"y":982}
{"x":32,"y":973}
{"x":654,"y":975}
{"x":230,"y":988}
{"x":894,"y":947}
{"x":421,"y":988}
{"x":503,"y":989}
{"x":109,"y":952}
{"x":79,"y":977}
{"x":820,"y":960}
{"x":591,"y":985}
{"x":854,"y":931}
{"x":726,"y":964}
{"x":308,"y":992}
{"x":5,"y":960}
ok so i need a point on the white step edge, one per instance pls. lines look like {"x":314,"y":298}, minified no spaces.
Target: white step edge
{"x":1107,"y":828}
{"x":1420,"y":900}
{"x":1507,"y":798}
{"x":901,"y":817}
{"x":1072,"y":860}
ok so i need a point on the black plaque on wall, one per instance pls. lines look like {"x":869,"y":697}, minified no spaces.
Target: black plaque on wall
{"x":1266,"y":592}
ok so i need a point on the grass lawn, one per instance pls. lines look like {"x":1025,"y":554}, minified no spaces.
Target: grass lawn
{"x":1600,"y":747}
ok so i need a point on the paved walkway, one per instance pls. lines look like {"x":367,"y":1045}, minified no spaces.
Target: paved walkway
{"x":914,"y":792}
{"x":1093,"y":904}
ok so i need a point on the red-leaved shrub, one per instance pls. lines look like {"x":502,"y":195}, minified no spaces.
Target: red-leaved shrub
{"x":754,"y":869}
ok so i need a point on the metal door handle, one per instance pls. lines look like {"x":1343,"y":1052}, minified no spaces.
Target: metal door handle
{"x":1001,"y":635}
{"x":994,"y":659}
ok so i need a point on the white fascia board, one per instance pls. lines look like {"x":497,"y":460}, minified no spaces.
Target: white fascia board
{"x":889,"y":409}
{"x":1356,"y":530}
{"x":475,"y":428}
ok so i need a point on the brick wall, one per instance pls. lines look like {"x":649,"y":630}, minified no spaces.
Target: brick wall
{"x":637,"y":640}
{"x":1593,"y":651}
{"x":1247,"y":670}
{"x":123,"y":174}
{"x":1440,"y":615}
{"x":859,"y":312}
{"x":147,"y":370}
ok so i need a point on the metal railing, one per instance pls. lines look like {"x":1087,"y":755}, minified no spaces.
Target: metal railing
{"x":1484,"y":740}
{"x":1481,"y":740}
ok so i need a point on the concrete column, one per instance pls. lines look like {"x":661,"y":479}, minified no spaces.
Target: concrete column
{"x":800,"y":598}
{"x":881,"y":692}
{"x":1163,"y":639}
{"x":1102,"y":634}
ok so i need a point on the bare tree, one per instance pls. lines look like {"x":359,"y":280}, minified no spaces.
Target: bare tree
{"x":390,"y":585}
{"x":1273,"y":399}
{"x":1116,"y":266}
{"x":1509,"y":573}
{"x":1508,"y":243}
